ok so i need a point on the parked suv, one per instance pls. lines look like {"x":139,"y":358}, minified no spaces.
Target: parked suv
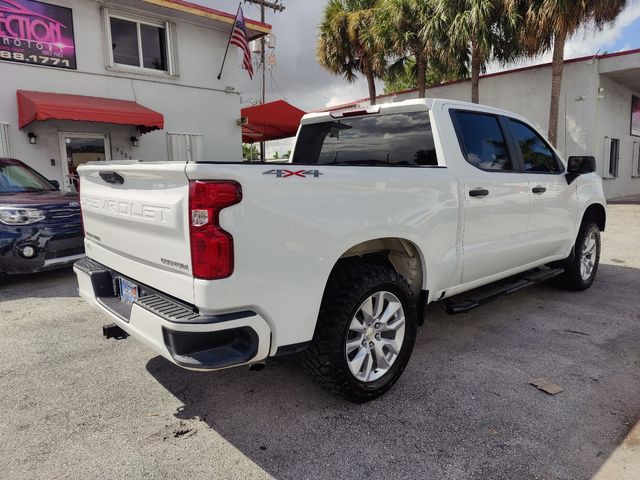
{"x":40,"y":226}
{"x":335,"y":254}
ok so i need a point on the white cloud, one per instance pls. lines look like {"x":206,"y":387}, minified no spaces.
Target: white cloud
{"x":304,"y":84}
{"x":351,"y":91}
{"x":586,"y":41}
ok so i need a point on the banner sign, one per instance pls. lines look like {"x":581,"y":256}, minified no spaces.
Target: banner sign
{"x":37,"y":33}
{"x":635,"y":116}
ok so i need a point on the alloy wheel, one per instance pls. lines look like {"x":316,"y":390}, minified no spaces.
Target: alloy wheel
{"x":588,"y":256}
{"x":375,"y":336}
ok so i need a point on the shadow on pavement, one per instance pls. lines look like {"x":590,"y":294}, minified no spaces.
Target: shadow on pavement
{"x":54,"y":283}
{"x":463,"y":408}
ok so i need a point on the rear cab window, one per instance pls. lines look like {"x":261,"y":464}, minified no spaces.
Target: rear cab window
{"x":393,"y":139}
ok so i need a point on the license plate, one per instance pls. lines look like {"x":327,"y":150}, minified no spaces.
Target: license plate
{"x":128,"y":291}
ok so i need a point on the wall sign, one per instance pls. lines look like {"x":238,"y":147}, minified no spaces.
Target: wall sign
{"x":37,"y":33}
{"x":635,"y":116}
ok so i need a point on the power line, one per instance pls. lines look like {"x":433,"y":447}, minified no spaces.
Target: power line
{"x":275,"y":81}
{"x":276,"y":6}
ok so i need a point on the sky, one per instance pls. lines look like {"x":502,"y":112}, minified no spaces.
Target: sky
{"x":298,"y":79}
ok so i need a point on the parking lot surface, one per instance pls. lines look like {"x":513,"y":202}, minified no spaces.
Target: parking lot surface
{"x":78,"y":406}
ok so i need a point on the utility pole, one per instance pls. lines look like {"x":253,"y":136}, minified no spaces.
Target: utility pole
{"x":276,"y":7}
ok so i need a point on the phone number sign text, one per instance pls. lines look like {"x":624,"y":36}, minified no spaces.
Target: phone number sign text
{"x":37,"y":33}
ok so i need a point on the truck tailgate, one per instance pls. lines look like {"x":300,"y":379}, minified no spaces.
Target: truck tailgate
{"x":135,"y":220}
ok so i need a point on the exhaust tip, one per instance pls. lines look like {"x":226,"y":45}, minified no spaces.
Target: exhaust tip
{"x":256,"y":367}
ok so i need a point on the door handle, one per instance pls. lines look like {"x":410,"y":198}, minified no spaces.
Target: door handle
{"x":478,"y":192}
{"x":538,"y":189}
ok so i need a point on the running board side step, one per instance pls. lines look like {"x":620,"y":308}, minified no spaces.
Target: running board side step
{"x":488,"y":294}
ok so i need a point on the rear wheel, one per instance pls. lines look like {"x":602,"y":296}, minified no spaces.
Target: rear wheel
{"x":365,"y":333}
{"x":581,"y":272}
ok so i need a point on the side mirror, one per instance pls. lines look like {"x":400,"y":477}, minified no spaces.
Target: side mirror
{"x":581,"y":165}
{"x":55,"y":183}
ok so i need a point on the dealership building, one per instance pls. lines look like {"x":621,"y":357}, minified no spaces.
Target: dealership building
{"x":599,"y":109}
{"x":87,"y":80}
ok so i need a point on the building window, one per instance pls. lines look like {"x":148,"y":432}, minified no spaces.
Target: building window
{"x":614,"y":156}
{"x":635,"y":172}
{"x":139,"y":44}
{"x":5,"y":151}
{"x":184,"y":147}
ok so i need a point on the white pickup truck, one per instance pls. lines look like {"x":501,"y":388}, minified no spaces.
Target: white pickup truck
{"x":336,"y":253}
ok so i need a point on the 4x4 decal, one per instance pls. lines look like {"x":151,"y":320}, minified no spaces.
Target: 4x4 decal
{"x":284,"y":173}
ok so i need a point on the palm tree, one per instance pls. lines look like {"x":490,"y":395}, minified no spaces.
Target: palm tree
{"x":345,"y":45}
{"x":548,"y":24}
{"x":400,"y":30}
{"x":483,"y":27}
{"x":403,"y":74}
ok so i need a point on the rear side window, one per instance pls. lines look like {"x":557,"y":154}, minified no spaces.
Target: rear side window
{"x":397,"y":139}
{"x":483,"y":142}
{"x":536,"y":154}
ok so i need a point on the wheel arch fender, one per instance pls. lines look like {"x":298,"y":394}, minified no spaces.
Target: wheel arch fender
{"x":399,"y":252}
{"x":597,"y":213}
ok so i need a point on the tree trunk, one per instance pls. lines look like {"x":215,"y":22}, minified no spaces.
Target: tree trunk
{"x":421,"y":63}
{"x":556,"y":84}
{"x":371,"y":82}
{"x":475,"y":74}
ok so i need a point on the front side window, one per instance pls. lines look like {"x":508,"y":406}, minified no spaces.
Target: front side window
{"x":537,"y":156}
{"x":138,"y":44}
{"x":396,"y":139}
{"x":483,"y":142}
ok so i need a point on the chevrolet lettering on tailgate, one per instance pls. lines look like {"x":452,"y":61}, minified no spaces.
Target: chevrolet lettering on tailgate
{"x":136,"y":211}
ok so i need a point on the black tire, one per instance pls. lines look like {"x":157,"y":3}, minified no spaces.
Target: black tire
{"x":573,"y":278}
{"x":349,"y":286}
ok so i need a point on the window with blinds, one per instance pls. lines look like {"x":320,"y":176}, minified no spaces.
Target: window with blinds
{"x":5,"y":150}
{"x":184,"y":147}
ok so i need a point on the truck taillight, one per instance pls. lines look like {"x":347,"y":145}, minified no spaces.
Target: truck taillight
{"x":211,"y":246}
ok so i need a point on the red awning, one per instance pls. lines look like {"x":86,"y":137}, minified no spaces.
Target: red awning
{"x":270,"y":121}
{"x":33,"y":106}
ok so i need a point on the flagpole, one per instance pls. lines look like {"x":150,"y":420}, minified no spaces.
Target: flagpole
{"x":229,"y":40}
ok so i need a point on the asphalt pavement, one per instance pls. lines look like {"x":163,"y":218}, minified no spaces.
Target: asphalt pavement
{"x":78,"y":406}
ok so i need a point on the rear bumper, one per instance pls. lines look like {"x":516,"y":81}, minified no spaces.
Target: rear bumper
{"x":174,"y":329}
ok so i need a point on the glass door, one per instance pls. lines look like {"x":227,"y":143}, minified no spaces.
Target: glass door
{"x":77,"y":149}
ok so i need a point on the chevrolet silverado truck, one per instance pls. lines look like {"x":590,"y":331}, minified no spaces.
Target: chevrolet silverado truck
{"x":335,"y":254}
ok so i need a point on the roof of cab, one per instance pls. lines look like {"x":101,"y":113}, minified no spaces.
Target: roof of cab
{"x":406,"y":106}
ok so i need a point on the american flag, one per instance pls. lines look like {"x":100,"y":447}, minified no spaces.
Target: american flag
{"x":239,"y":39}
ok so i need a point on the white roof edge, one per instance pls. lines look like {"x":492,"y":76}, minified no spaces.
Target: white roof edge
{"x":410,"y":105}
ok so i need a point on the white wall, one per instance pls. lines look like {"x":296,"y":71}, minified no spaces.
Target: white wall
{"x":614,"y":121}
{"x":193,"y":102}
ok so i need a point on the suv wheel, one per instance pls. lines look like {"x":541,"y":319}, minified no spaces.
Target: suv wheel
{"x":365,"y":333}
{"x":581,"y":272}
